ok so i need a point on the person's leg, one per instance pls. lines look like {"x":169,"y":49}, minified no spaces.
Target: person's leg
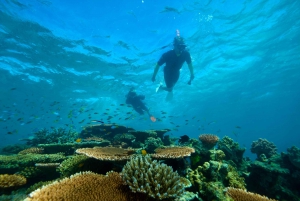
{"x":170,"y":79}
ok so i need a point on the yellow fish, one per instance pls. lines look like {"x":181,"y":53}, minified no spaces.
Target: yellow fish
{"x":78,"y":140}
{"x":144,"y":152}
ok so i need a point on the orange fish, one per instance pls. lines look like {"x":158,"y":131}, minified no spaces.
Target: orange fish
{"x":78,"y":140}
{"x":153,"y":119}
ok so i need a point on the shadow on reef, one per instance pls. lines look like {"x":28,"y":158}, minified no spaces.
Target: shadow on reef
{"x":153,"y":165}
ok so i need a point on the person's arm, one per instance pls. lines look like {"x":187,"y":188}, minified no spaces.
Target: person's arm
{"x":190,"y":65}
{"x":155,"y":72}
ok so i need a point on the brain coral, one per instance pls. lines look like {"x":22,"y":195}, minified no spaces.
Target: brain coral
{"x":153,"y":178}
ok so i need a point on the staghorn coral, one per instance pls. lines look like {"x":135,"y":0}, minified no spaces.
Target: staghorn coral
{"x":209,"y":140}
{"x":172,"y":152}
{"x":8,"y":181}
{"x":106,"y":153}
{"x":242,"y":195}
{"x":87,"y":186}
{"x":263,"y":146}
{"x":32,"y":150}
{"x":153,"y":178}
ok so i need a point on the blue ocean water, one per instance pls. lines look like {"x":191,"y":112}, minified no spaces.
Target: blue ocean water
{"x":64,"y":63}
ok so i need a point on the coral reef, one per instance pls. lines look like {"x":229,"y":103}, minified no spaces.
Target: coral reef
{"x":107,"y":153}
{"x":208,"y":140}
{"x":243,"y":195}
{"x":183,"y":139}
{"x":232,"y":150}
{"x":32,"y":150}
{"x":172,"y":152}
{"x":294,"y":156}
{"x":211,"y":178}
{"x":87,"y":186}
{"x":72,"y":165}
{"x":8,"y":181}
{"x":14,"y":149}
{"x":55,"y":135}
{"x":263,"y":146}
{"x":152,"y":143}
{"x":153,"y":178}
{"x":14,"y":163}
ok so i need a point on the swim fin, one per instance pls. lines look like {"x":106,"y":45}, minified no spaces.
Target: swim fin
{"x":169,"y":96}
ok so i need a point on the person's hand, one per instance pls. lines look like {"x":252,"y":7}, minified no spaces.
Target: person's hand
{"x":153,"y":79}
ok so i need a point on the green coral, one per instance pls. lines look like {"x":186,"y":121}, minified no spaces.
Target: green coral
{"x":154,"y":178}
{"x":152,"y":143}
{"x":234,"y":179}
{"x":14,"y":163}
{"x":294,"y":156}
{"x":72,"y":165}
{"x":232,"y":150}
{"x":211,"y":178}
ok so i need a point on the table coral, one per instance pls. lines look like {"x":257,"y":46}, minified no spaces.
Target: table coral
{"x":87,"y":186}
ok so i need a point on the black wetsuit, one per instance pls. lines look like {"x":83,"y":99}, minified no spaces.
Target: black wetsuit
{"x":173,"y":65}
{"x":136,"y":101}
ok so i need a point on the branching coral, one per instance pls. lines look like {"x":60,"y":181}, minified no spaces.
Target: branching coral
{"x":294,"y":156}
{"x":153,"y":178}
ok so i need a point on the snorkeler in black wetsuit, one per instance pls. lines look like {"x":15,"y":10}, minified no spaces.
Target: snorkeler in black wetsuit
{"x":174,"y":60}
{"x":137,"y":102}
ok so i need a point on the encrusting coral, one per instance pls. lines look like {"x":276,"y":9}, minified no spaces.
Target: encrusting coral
{"x":106,"y":153}
{"x":8,"y":181}
{"x":87,"y":186}
{"x":263,"y":146}
{"x":242,"y":195}
{"x":172,"y":152}
{"x":153,"y":178}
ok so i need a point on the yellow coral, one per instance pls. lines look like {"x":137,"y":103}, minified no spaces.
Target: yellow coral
{"x":7,"y":181}
{"x":243,"y":195}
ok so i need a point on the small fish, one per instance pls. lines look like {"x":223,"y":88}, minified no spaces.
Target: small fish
{"x":10,"y":133}
{"x":96,"y":113}
{"x":99,"y":121}
{"x":143,"y":152}
{"x":212,"y":122}
{"x":238,"y":127}
{"x":80,"y":165}
{"x":78,"y":140}
{"x":81,"y":121}
{"x":13,"y":89}
{"x":122,"y":104}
